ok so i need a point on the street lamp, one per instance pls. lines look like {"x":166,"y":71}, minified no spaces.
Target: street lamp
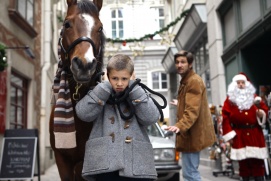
{"x":26,"y":48}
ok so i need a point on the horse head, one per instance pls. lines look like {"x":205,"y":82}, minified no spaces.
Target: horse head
{"x":82,"y":39}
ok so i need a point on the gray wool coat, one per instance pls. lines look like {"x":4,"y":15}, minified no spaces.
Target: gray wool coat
{"x":115,"y":144}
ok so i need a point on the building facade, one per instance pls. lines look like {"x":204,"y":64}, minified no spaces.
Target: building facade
{"x":226,"y":37}
{"x":29,"y":32}
{"x":20,"y":25}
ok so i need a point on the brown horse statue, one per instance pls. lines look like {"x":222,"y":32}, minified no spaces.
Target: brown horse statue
{"x":82,"y":47}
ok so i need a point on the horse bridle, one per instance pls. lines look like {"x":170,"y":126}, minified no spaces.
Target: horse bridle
{"x":77,"y":41}
{"x":76,"y":95}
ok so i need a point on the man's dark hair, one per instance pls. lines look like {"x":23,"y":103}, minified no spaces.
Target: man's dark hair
{"x":183,"y":53}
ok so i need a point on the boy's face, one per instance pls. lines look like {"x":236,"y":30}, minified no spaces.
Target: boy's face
{"x":119,"y":79}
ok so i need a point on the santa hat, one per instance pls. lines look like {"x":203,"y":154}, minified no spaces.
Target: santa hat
{"x":239,"y":77}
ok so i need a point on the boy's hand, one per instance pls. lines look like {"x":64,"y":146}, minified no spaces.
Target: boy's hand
{"x":103,"y":89}
{"x":106,"y":86}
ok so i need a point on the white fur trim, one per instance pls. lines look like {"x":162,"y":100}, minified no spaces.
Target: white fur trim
{"x":258,"y":98}
{"x":229,"y":135}
{"x":249,"y":152}
{"x":261,"y":123}
{"x":65,"y":140}
{"x":239,"y":77}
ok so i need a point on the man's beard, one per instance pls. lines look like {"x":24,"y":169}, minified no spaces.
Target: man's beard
{"x":243,"y":98}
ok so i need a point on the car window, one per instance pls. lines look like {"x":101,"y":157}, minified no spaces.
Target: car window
{"x":154,"y":131}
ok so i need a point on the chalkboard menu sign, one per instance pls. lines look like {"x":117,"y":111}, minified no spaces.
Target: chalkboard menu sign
{"x":18,"y":156}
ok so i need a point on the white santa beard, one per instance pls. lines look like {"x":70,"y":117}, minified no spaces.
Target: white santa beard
{"x":243,"y":98}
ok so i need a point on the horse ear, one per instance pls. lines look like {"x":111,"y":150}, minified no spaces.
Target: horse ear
{"x":71,"y":2}
{"x":98,"y":3}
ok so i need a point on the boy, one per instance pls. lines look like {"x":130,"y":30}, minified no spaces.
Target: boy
{"x":118,"y":149}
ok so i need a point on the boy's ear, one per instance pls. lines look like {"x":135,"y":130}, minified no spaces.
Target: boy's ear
{"x":133,"y":76}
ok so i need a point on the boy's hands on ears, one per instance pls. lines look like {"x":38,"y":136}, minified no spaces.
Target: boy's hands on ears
{"x":103,"y":89}
{"x":106,"y":85}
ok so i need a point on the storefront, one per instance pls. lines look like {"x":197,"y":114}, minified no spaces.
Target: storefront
{"x":246,"y":29}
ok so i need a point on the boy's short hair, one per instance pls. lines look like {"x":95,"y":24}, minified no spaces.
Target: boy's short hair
{"x":120,"y":62}
{"x":183,"y":53}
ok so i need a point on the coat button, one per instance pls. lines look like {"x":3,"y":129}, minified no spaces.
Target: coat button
{"x":246,"y":113}
{"x":113,"y":137}
{"x":112,"y":120}
{"x":128,"y":139}
{"x":100,"y":102}
{"x":248,"y":134}
{"x":126,"y":124}
{"x":137,"y":100}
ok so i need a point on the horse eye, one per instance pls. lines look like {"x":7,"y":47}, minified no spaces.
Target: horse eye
{"x":67,"y":25}
{"x":100,"y":29}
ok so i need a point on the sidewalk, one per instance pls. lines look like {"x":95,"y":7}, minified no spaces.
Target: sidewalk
{"x":51,"y":174}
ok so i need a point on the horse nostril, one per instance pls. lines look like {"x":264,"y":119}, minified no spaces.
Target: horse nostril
{"x":89,"y":65}
{"x":77,"y":63}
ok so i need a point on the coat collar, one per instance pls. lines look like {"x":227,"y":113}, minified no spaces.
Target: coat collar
{"x":187,"y":76}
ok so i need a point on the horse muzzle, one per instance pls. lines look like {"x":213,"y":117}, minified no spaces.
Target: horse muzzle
{"x":82,"y":72}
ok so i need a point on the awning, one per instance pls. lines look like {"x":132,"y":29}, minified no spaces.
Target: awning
{"x":168,"y":60}
{"x":192,"y":28}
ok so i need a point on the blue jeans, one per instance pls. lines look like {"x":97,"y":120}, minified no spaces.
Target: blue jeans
{"x":190,"y":165}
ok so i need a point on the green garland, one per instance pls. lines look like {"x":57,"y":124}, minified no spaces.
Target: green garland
{"x":149,"y":36}
{"x":3,"y":58}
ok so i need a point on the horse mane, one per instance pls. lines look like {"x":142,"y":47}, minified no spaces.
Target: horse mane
{"x":86,"y":6}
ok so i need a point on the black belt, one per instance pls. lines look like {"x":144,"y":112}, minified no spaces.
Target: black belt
{"x":244,"y":126}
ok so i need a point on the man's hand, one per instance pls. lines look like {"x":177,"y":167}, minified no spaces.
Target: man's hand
{"x":173,"y":129}
{"x":174,"y":102}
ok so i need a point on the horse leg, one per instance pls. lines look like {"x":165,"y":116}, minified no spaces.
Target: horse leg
{"x":78,"y":172}
{"x":65,"y":168}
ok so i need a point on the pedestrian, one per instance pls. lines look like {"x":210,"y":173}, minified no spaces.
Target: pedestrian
{"x":118,"y":148}
{"x":194,"y":126}
{"x":244,"y":114}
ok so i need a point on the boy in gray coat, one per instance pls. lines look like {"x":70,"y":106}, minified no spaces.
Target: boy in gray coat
{"x":118,"y":148}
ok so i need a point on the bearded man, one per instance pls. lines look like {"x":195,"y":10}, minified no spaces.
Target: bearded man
{"x":244,"y":114}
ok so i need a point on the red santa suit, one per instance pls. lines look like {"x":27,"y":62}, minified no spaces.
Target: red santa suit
{"x":242,"y":126}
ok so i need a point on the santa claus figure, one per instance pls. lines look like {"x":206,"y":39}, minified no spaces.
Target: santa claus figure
{"x":244,"y":114}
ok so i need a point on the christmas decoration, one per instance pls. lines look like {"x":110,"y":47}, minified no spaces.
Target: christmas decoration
{"x":3,"y":58}
{"x":137,"y":49}
{"x":150,"y":36}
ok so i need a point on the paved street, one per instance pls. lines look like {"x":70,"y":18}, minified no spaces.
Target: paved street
{"x":206,"y":172}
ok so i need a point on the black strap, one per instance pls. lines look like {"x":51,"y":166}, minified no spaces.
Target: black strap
{"x":117,"y":99}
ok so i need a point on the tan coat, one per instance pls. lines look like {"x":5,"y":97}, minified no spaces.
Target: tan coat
{"x":193,"y":115}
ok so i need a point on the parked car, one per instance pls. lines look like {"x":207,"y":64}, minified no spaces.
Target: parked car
{"x":165,"y":155}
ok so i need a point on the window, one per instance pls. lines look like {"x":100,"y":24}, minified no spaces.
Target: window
{"x":18,"y":102}
{"x":159,"y":18}
{"x":159,"y":80}
{"x":201,"y":64}
{"x":117,"y":23}
{"x":26,"y":9}
{"x":22,"y":12}
{"x":250,"y":12}
{"x":229,"y":27}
